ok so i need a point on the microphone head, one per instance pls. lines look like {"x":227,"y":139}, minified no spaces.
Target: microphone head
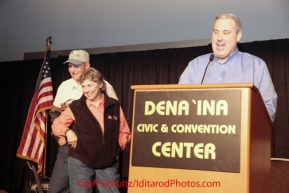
{"x":211,"y":57}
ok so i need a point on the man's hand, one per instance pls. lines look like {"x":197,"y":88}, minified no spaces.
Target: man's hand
{"x":71,"y":138}
{"x":62,"y":141}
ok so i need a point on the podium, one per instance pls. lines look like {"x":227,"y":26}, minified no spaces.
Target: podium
{"x":199,"y":138}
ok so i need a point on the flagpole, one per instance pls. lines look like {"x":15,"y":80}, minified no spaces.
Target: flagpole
{"x":48,"y":46}
{"x":45,"y":151}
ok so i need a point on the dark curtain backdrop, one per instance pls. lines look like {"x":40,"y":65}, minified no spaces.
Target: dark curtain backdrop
{"x":122,"y":70}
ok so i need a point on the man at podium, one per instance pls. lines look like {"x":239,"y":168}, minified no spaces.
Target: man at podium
{"x":228,"y":65}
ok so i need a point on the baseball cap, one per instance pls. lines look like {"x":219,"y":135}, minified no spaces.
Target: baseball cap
{"x":77,"y":57}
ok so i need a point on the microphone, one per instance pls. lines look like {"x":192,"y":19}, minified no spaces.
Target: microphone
{"x":210,"y":60}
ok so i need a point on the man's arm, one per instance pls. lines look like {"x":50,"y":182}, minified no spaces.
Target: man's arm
{"x":56,"y":110}
{"x":185,"y":77}
{"x":53,"y":115}
{"x":265,"y":85}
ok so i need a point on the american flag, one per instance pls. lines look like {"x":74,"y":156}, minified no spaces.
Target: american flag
{"x":33,"y":138}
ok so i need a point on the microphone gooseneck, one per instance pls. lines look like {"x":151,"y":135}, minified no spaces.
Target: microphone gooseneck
{"x":210,"y":60}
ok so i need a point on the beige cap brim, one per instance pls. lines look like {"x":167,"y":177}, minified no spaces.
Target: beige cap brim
{"x":73,"y":61}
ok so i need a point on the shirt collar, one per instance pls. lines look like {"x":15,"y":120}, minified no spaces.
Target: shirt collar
{"x":90,"y":103}
{"x":229,"y":58}
{"x":76,"y":85}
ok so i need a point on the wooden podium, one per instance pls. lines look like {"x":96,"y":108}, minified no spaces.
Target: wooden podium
{"x":199,"y":138}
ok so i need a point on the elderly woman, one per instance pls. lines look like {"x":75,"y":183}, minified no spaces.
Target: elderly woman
{"x":97,"y":131}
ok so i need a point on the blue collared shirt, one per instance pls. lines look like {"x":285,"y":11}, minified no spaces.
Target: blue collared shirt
{"x":239,"y":67}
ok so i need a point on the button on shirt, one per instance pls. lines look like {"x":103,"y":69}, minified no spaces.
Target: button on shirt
{"x":240,"y":67}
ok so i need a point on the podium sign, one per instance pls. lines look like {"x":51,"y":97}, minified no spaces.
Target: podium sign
{"x":188,"y":129}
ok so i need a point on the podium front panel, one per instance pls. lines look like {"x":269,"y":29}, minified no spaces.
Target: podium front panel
{"x":188,"y":129}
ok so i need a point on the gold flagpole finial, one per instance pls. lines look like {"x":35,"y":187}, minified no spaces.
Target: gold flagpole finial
{"x":48,"y":42}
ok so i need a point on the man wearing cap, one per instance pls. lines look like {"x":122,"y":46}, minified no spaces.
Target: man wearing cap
{"x":67,"y":92}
